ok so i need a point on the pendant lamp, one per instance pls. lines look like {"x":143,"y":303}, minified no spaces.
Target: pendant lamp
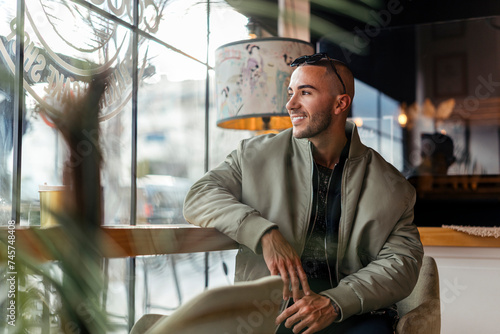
{"x":252,"y":78}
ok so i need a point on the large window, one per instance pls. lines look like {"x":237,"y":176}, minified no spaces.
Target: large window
{"x":60,"y":58}
{"x":376,"y":116}
{"x":152,"y":124}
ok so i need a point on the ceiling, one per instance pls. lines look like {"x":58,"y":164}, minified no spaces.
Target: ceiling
{"x":387,"y":55}
{"x":349,"y":14}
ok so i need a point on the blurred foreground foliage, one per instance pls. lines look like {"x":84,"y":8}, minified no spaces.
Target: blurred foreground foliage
{"x":66,"y":294}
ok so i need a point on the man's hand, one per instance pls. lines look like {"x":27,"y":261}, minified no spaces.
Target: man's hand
{"x":281,"y":259}
{"x":314,"y":312}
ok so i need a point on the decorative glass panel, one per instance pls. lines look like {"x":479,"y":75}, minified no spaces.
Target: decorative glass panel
{"x":60,"y":59}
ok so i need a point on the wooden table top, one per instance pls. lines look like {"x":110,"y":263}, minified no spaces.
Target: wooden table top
{"x":127,"y":241}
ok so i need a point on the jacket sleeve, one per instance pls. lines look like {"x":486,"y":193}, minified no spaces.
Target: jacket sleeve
{"x":388,"y":278}
{"x":215,"y":201}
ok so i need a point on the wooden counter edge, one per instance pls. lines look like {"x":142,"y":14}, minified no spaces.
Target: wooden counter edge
{"x":440,"y":236}
{"x":194,"y":239}
{"x":130,"y":241}
{"x":125,"y":241}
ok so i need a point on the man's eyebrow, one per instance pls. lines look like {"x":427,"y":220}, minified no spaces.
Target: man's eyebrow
{"x":303,"y":87}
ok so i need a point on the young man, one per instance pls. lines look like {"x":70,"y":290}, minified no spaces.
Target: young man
{"x":316,"y":206}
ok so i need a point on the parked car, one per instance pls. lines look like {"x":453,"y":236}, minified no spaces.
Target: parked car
{"x":160,"y":199}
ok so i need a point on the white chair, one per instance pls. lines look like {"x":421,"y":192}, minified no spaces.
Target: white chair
{"x":252,"y":307}
{"x":420,"y":312}
{"x":247,"y":307}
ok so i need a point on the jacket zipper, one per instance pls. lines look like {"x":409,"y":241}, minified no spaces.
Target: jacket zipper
{"x":342,"y":218}
{"x":308,"y":216}
{"x":327,"y":212}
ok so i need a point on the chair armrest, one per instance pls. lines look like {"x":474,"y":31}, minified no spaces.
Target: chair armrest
{"x":424,"y":319}
{"x":146,"y":322}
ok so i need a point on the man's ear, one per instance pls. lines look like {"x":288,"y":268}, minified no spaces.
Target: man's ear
{"x":342,"y":104}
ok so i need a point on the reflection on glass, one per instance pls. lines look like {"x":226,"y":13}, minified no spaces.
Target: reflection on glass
{"x":431,"y":93}
{"x":444,"y":79}
{"x":454,"y":124}
{"x":459,"y":95}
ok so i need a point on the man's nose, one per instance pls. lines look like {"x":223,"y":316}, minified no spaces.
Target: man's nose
{"x":292,"y":103}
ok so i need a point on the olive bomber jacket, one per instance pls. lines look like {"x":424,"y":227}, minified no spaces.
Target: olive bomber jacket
{"x":267,"y":182}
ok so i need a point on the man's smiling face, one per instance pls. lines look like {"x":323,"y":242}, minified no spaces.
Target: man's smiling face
{"x":311,"y":101}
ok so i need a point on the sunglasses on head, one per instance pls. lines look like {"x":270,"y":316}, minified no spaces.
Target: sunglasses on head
{"x":313,"y":59}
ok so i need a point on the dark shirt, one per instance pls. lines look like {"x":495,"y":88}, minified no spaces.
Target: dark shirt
{"x":320,"y":251}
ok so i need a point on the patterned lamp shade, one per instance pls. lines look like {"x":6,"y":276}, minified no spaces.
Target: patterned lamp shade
{"x":252,"y":78}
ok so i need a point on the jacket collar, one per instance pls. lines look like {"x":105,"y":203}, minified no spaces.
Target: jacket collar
{"x":357,"y":149}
